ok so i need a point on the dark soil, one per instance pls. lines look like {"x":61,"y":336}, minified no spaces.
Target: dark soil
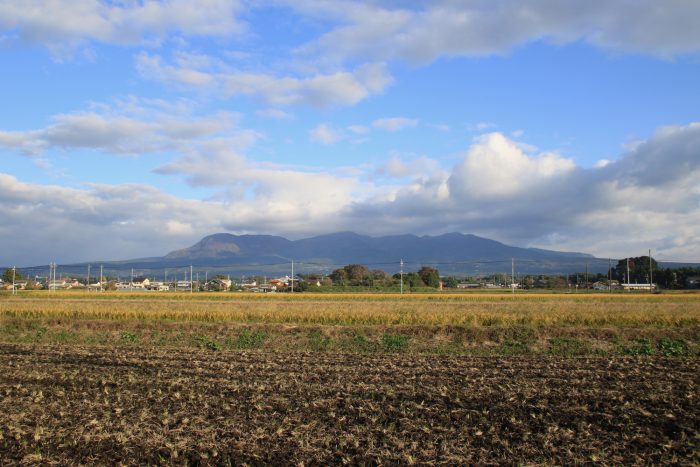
{"x":137,"y":405}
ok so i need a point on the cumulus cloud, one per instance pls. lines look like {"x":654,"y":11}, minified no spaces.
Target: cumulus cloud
{"x":62,"y":25}
{"x":324,"y":134}
{"x":648,"y":198}
{"x":496,"y":166}
{"x":319,"y":90}
{"x":394,"y":123}
{"x":380,"y":31}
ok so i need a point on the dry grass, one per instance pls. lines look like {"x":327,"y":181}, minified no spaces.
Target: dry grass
{"x":596,"y":310}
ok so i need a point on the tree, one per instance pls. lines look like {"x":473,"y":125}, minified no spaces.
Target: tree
{"x":413,"y":280}
{"x":352,"y":274}
{"x":638,"y":269}
{"x":339,"y":277}
{"x":7,"y":276}
{"x":430,"y":276}
{"x":451,"y":282}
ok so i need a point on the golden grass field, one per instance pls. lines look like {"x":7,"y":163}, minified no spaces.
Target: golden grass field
{"x":473,"y":309}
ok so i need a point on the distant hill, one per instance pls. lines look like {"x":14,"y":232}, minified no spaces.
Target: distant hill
{"x":451,"y":253}
{"x":454,"y":252}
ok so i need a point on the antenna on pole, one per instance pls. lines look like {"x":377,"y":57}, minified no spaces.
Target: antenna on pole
{"x":401,"y":276}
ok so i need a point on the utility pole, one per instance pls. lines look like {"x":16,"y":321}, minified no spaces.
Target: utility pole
{"x":102,"y":279}
{"x":586,"y":277}
{"x":401,"y":276}
{"x":628,"y":273}
{"x":14,"y":288}
{"x":88,"y":278}
{"x":292,"y":276}
{"x":131,"y":282}
{"x":512,"y":275}
{"x":191,"y":281}
{"x":651,"y":275}
{"x":610,"y":275}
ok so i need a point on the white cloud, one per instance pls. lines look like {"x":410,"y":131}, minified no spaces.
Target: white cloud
{"x":381,"y":31}
{"x":496,"y":166}
{"x":61,"y":25}
{"x":324,"y":134}
{"x":394,"y":123}
{"x":340,"y":88}
{"x":647,"y":198}
{"x":398,"y":167}
{"x":131,"y":126}
{"x":358,"y":129}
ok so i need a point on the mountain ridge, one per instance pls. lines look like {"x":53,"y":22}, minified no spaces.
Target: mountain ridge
{"x":452,"y":253}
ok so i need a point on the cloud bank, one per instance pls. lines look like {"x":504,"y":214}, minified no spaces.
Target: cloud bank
{"x":648,"y":198}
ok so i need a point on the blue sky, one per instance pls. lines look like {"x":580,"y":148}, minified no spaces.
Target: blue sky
{"x":134,"y":128}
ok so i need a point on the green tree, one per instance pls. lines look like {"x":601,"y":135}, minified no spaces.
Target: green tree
{"x":429,"y":276}
{"x":339,"y":277}
{"x":7,"y":277}
{"x":638,"y":269}
{"x":413,"y":280}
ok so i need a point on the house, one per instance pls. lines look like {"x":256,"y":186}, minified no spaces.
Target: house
{"x":249,"y":285}
{"x":140,"y":283}
{"x":183,"y":285}
{"x":158,"y":286}
{"x":18,"y":285}
{"x":605,"y":285}
{"x":692,"y":282}
{"x":60,"y":284}
{"x":218,"y":284}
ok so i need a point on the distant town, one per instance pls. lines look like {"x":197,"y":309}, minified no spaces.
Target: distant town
{"x":630,"y":274}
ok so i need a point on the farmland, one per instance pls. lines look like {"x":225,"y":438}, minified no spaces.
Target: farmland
{"x":464,"y":378}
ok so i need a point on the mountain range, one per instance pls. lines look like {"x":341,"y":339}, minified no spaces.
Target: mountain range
{"x":451,"y":253}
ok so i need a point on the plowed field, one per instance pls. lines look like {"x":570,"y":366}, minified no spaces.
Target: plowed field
{"x":140,"y":405}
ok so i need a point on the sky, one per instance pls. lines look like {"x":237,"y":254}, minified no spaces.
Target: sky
{"x":133,"y":128}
